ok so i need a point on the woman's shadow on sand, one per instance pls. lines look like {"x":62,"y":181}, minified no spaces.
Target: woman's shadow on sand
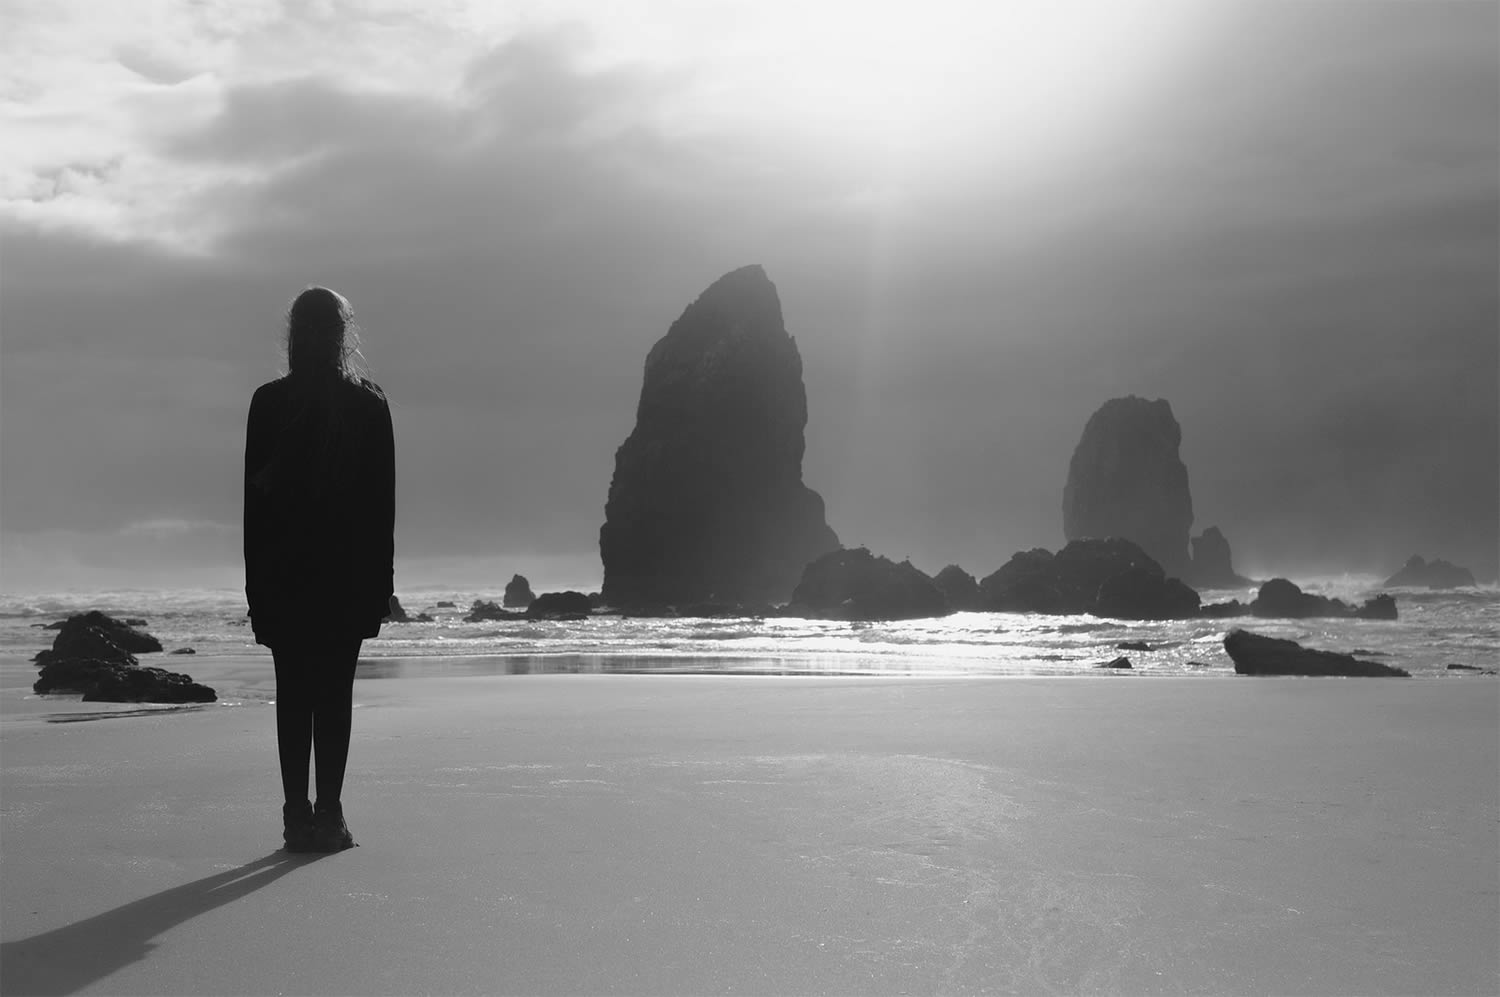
{"x":69,"y":958}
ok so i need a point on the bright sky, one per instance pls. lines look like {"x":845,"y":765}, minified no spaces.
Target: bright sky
{"x":984,"y":220}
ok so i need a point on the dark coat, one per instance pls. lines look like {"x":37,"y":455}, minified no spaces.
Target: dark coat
{"x":320,"y":510}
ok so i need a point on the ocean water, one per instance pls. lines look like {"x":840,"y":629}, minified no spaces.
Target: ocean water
{"x":1434,"y":629}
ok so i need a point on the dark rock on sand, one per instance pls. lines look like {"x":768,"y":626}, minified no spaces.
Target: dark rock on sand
{"x":85,"y":643}
{"x":559,"y":605}
{"x":1439,"y":574}
{"x":856,"y":585}
{"x":1282,"y":599}
{"x":482,"y":610}
{"x":518,"y":594}
{"x":1120,"y":662}
{"x":122,"y":633}
{"x":960,"y":588}
{"x":1254,"y":654}
{"x":113,"y":682}
{"x":183,"y":650}
{"x":1111,"y":577}
{"x":1213,"y":566}
{"x":1126,"y":479}
{"x":707,"y":502}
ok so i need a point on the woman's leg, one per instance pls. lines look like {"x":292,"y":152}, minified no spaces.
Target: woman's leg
{"x":332,"y":715}
{"x":294,"y":721}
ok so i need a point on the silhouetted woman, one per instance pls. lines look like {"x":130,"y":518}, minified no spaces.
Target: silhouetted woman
{"x":319,"y":520}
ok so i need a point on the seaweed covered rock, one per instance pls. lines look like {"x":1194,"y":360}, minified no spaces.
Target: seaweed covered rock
{"x":1126,"y":479}
{"x":114,"y":682}
{"x":1110,"y":577}
{"x":518,"y":594}
{"x":707,"y":502}
{"x":857,"y":585}
{"x":1439,"y":574}
{"x":84,"y":642}
{"x":960,"y":588}
{"x":1283,"y":599}
{"x":1254,"y":654}
{"x":79,"y":637}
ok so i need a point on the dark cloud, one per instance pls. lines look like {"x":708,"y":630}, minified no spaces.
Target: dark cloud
{"x":1292,"y":237}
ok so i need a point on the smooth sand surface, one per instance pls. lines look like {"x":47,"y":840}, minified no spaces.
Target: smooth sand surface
{"x":692,"y":834}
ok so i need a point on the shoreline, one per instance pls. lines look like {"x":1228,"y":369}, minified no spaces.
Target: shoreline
{"x":247,"y":679}
{"x":705,"y":834}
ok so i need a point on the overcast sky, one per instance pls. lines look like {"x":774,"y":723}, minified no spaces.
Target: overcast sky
{"x":984,"y":220}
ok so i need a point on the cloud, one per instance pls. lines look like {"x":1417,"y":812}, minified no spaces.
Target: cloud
{"x":1293,"y":240}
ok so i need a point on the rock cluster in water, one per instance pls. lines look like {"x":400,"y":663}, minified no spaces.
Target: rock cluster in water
{"x":1254,"y":654}
{"x":1284,"y":600}
{"x":857,"y":585}
{"x":1126,"y":479}
{"x":707,"y":502}
{"x":1111,"y":577}
{"x":94,"y":654}
{"x":1438,"y":574}
{"x":487,"y":609}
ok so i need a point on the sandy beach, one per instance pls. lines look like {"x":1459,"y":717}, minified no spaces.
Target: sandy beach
{"x":577,"y":834}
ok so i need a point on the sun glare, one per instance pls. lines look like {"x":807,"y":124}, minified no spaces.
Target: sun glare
{"x":907,"y":74}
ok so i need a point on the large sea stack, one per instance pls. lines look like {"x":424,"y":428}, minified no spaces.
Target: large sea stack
{"x":1127,"y":480}
{"x":707,"y":501}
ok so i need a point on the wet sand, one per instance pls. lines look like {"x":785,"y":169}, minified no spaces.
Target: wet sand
{"x":706,"y":834}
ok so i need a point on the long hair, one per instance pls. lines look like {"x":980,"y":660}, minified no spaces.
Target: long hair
{"x":322,"y":342}
{"x":313,"y":453}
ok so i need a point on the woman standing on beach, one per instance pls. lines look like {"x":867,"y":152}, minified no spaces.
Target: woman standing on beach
{"x":319,"y":523}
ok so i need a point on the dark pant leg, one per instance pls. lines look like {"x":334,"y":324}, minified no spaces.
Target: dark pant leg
{"x":294,"y":721}
{"x":332,"y":715}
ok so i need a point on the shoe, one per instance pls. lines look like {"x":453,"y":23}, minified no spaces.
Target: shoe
{"x":329,"y":832}
{"x":297,"y":826}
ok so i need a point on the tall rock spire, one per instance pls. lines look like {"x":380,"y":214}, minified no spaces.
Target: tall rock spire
{"x":707,"y":500}
{"x":1126,"y":479}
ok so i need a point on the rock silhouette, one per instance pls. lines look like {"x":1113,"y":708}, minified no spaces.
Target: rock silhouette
{"x":113,"y":682}
{"x":960,"y":588}
{"x":1254,"y":654}
{"x":518,"y":594}
{"x":1126,"y":479}
{"x":487,"y":609}
{"x":1112,"y":577}
{"x":707,"y":502}
{"x":856,"y":585}
{"x":81,"y":629}
{"x":1438,"y":574}
{"x":1282,"y":599}
{"x":92,"y":655}
{"x":559,"y":606}
{"x":1213,"y":567}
